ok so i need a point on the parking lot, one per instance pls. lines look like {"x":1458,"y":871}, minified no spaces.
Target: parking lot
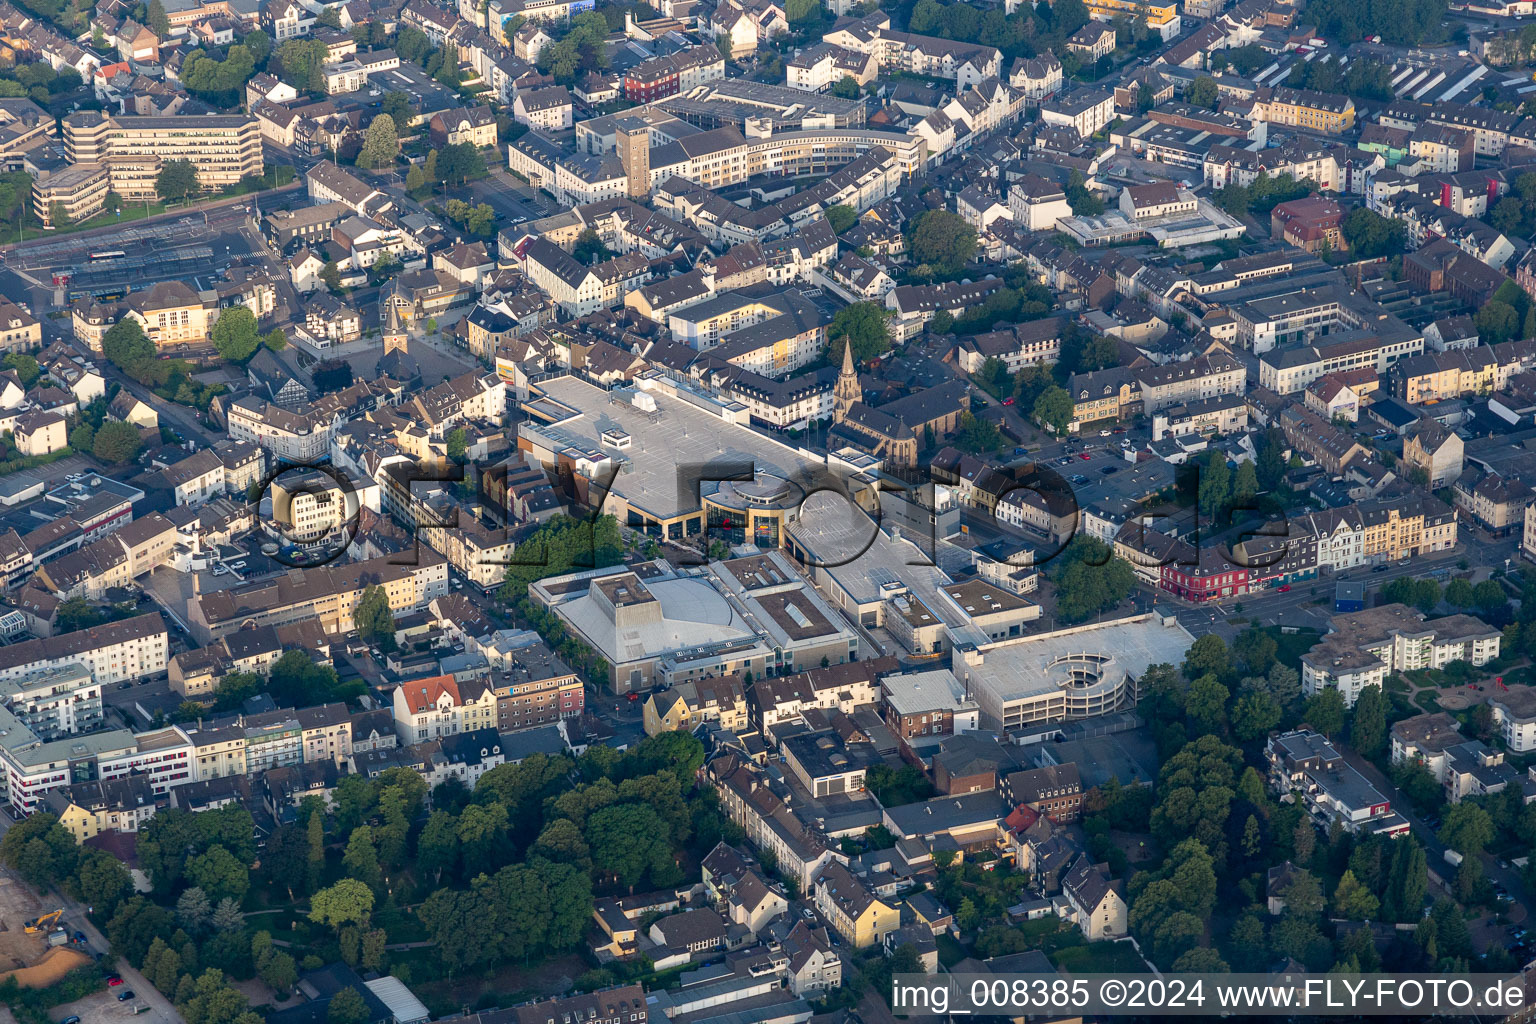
{"x":513,"y":200}
{"x":99,"y":1008}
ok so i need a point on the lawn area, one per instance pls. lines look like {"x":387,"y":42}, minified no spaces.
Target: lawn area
{"x":950,"y":950}
{"x":1291,"y":646}
{"x":130,"y":212}
{"x":1100,"y":958}
{"x":506,"y":986}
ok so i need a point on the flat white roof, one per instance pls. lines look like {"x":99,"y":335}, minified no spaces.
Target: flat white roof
{"x":1016,"y":668}
{"x":670,"y":449}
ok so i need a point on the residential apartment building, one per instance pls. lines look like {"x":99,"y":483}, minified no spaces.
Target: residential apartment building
{"x":1329,"y":113}
{"x":117,"y":652}
{"x":427,"y":709}
{"x":853,"y":911}
{"x":1332,"y":790}
{"x":1363,"y":647}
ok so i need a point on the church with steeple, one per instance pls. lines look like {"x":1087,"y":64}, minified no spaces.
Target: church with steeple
{"x":397,"y":363}
{"x":848,"y":392}
{"x":897,"y":430}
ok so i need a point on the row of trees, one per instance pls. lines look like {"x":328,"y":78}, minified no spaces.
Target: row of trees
{"x":1025,"y":33}
{"x":1263,"y":195}
{"x":1360,"y":79}
{"x":127,"y":347}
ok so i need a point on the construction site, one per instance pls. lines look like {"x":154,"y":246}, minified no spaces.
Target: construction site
{"x":35,"y":947}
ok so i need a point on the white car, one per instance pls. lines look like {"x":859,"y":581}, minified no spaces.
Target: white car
{"x":237,"y":565}
{"x":1103,"y":433}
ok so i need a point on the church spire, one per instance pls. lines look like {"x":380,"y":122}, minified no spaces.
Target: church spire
{"x":395,"y":337}
{"x":848,"y":391}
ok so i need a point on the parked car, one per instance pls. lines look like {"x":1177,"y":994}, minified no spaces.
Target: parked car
{"x":1379,"y":568}
{"x":1284,"y":587}
{"x":113,"y":981}
{"x":125,"y":995}
{"x":1008,"y":400}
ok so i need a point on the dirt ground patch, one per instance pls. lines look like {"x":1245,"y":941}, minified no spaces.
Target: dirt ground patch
{"x":53,"y":966}
{"x":18,"y":904}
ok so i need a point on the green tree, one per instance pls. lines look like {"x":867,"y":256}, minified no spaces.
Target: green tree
{"x":1205,"y":704}
{"x":219,"y":874}
{"x":843,"y":217}
{"x":1458,"y":593}
{"x":1368,"y":722}
{"x":862,"y":325}
{"x":629,"y":843}
{"x":1371,"y":235}
{"x":381,"y":143}
{"x":1206,"y":656}
{"x":361,"y":858}
{"x":299,"y":63}
{"x":158,"y":22}
{"x":943,"y":241}
{"x":457,"y":443}
{"x":234,"y":334}
{"x":1304,"y":896}
{"x":416,"y":182}
{"x":372,"y":616}
{"x":1202,"y":92}
{"x":1353,"y":901}
{"x":1255,"y":650}
{"x":1325,"y":711}
{"x":116,"y":442}
{"x":330,"y":276}
{"x":398,"y":106}
{"x":346,"y":1007}
{"x":280,"y":972}
{"x":1489,"y":596}
{"x":1053,"y":409}
{"x":589,"y":248}
{"x":25,"y":366}
{"x":1254,"y":714}
{"x":193,"y":908}
{"x":457,"y":164}
{"x":1468,"y":829}
{"x":176,"y":181}
{"x":314,"y":831}
{"x":349,"y":901}
{"x":40,"y":850}
{"x":1089,"y":580}
{"x":1215,"y":486}
{"x":101,"y":881}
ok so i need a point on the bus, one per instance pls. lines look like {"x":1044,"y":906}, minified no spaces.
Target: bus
{"x":102,"y":257}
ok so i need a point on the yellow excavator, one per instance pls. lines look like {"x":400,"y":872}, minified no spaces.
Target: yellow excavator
{"x":43,"y":923}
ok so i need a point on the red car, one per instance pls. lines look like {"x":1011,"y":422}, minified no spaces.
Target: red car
{"x":114,"y":981}
{"x":632,"y":697}
{"x":1008,"y":400}
{"x":1284,"y":588}
{"x":1085,"y":456}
